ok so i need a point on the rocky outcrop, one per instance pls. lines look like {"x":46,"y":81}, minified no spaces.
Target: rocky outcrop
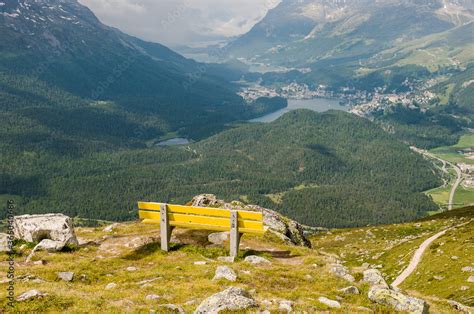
{"x":284,"y":228}
{"x":231,"y":299}
{"x":35,"y":228}
{"x":460,"y":307}
{"x":381,"y":293}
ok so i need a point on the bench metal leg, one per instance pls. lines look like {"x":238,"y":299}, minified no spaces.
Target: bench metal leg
{"x":235,"y":235}
{"x":165,"y":228}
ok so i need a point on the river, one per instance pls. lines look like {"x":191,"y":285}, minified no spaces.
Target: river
{"x":316,"y":104}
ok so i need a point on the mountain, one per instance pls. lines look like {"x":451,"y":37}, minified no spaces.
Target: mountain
{"x":331,"y":169}
{"x":63,"y":46}
{"x":301,"y":33}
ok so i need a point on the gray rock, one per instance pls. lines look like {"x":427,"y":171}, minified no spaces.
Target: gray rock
{"x":397,"y":300}
{"x":330,"y":303}
{"x":172,"y":308}
{"x":4,"y":247}
{"x":254,"y":259}
{"x":132,"y":268}
{"x":200,"y":263}
{"x":374,"y":278}
{"x":464,"y":288}
{"x":342,"y":272}
{"x":226,"y":259}
{"x":231,"y":299}
{"x":66,"y":276}
{"x":285,"y":306}
{"x":34,"y":228}
{"x":50,"y":245}
{"x":111,"y":227}
{"x":468,"y":269}
{"x":350,"y":290}
{"x":111,"y":286}
{"x":460,"y":307}
{"x":286,"y":229}
{"x":470,"y":279}
{"x":30,"y":295}
{"x":218,"y":237}
{"x":152,"y":297}
{"x":225,"y":272}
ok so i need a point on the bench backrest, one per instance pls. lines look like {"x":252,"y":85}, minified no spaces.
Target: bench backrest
{"x":202,"y":217}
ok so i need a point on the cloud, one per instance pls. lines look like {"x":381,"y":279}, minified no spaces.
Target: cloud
{"x":181,"y":22}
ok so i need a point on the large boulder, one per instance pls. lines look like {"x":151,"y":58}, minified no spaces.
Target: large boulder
{"x":35,"y":228}
{"x":397,"y":300}
{"x":284,"y":228}
{"x":231,"y":299}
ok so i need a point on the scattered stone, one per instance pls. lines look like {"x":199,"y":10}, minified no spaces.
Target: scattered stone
{"x":66,"y":276}
{"x":190,"y":302}
{"x":110,"y":286}
{"x":231,"y":299}
{"x":218,"y":238}
{"x":4,"y":247}
{"x":254,"y":259}
{"x":374,"y":278}
{"x":226,"y":259}
{"x":225,"y":272}
{"x":308,"y":277}
{"x":438,"y":277}
{"x":246,"y":272}
{"x":132,"y":268}
{"x":34,"y":228}
{"x":149,"y":280}
{"x":350,"y":290}
{"x":470,"y":279}
{"x":464,"y":288}
{"x":285,"y":306}
{"x":110,"y":228}
{"x":39,"y":262}
{"x":468,"y":269}
{"x":397,"y":300}
{"x":460,"y":307}
{"x":454,"y":258}
{"x":330,"y":303}
{"x":152,"y":297}
{"x":342,"y":272}
{"x":31,"y":294}
{"x":84,"y":277}
{"x":200,"y":263}
{"x":172,"y":308}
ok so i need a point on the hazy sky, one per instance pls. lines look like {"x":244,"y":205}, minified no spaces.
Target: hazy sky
{"x":181,"y":22}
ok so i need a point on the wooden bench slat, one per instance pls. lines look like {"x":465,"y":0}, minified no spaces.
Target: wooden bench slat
{"x":205,"y":227}
{"x":203,"y":211}
{"x":184,"y":219}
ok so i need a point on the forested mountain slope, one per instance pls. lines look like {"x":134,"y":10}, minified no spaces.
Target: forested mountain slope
{"x":331,"y":169}
{"x":61,"y":45}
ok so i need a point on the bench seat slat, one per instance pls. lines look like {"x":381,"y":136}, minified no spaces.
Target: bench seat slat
{"x":202,"y":211}
{"x":204,"y":227}
{"x":184,"y":219}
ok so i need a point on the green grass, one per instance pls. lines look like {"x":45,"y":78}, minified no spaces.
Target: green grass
{"x":450,"y":153}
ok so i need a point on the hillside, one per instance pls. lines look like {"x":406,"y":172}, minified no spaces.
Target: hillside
{"x":56,"y":46}
{"x":307,"y":165}
{"x":120,"y":268}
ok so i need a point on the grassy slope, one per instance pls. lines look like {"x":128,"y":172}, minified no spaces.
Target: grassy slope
{"x":180,"y":280}
{"x":392,"y":246}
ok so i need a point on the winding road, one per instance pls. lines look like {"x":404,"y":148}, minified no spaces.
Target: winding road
{"x":417,"y":258}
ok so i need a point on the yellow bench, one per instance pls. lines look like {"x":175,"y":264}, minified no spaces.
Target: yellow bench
{"x":170,"y":216}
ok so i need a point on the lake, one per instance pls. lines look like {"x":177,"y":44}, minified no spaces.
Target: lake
{"x":316,"y":104}
{"x":174,"y":141}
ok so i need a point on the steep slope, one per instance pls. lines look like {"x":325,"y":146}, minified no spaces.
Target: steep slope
{"x":331,"y":169}
{"x":62,"y":44}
